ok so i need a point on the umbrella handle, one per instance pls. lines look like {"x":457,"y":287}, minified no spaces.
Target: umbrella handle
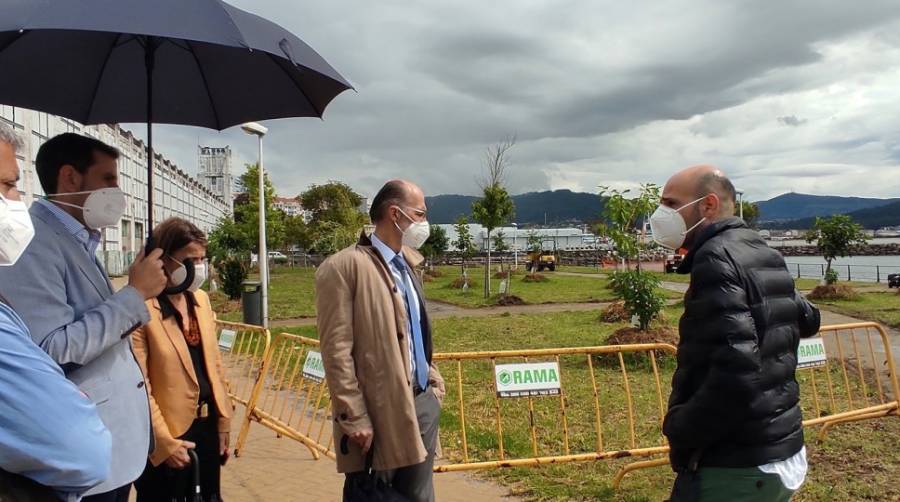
{"x":188,"y":267}
{"x":195,"y":467}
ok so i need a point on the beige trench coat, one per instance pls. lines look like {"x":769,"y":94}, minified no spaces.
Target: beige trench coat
{"x":361,"y":319}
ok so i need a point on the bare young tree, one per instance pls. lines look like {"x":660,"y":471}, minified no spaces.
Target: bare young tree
{"x":496,"y":207}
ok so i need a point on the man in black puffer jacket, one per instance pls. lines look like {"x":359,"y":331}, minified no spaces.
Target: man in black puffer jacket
{"x":734,"y":423}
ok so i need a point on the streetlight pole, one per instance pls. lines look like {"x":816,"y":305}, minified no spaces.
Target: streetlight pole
{"x":259,"y":131}
{"x":516,"y":246}
{"x":741,"y":204}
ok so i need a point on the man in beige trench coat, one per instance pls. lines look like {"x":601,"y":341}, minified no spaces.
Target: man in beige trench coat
{"x":376,"y":347}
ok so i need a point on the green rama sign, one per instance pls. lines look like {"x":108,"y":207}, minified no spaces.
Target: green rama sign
{"x":528,"y":379}
{"x":811,"y":353}
{"x":313,"y":369}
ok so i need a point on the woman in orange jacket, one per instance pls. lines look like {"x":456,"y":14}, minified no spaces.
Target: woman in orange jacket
{"x":178,"y":353}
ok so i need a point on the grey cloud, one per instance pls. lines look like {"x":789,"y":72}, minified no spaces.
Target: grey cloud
{"x":791,"y":120}
{"x":576,"y":81}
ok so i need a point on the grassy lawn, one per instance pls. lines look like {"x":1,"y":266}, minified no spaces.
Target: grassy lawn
{"x":879,"y":307}
{"x":856,"y":461}
{"x":558,"y":289}
{"x":291,"y":295}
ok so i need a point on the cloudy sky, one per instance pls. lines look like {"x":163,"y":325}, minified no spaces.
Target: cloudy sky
{"x":785,"y":96}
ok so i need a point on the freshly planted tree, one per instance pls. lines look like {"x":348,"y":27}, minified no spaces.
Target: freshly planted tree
{"x":637,"y":288}
{"x":496,"y":207}
{"x":835,"y":237}
{"x":625,"y":216}
{"x":464,"y":244}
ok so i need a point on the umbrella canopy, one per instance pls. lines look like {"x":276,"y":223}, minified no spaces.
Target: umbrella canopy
{"x":213,"y":65}
{"x":191,"y":62}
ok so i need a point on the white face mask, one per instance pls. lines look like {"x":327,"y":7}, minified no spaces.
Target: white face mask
{"x":102,"y":208}
{"x":16,"y":230}
{"x":668,"y":226}
{"x":416,"y":234}
{"x":180,"y":274}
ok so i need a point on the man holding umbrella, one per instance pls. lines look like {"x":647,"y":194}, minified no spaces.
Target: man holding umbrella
{"x":63,"y":294}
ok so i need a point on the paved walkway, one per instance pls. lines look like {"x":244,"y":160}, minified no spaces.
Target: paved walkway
{"x":273,"y":469}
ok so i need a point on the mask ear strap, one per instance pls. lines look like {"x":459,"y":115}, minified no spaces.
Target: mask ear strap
{"x":695,"y":226}
{"x":692,"y":203}
{"x":61,"y":203}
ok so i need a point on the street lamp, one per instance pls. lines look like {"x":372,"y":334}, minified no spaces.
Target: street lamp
{"x":740,"y":195}
{"x":258,"y":130}
{"x":515,"y":246}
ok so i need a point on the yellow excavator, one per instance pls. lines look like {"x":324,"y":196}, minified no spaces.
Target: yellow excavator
{"x":545,"y":258}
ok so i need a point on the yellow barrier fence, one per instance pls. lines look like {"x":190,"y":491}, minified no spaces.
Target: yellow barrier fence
{"x":292,"y":397}
{"x":605,"y":403}
{"x":520,"y":408}
{"x":851,"y":376}
{"x":856,"y":381}
{"x":245,"y":352}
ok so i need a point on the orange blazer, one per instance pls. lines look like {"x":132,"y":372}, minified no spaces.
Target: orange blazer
{"x":162,"y":353}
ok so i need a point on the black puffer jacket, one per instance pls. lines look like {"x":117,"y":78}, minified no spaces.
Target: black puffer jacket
{"x":734,"y":400}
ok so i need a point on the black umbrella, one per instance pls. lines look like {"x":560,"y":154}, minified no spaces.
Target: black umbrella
{"x":191,"y":62}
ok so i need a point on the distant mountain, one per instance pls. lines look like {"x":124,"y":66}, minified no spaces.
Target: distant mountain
{"x":795,"y":206}
{"x":791,"y":210}
{"x":873,"y":218}
{"x":558,"y":206}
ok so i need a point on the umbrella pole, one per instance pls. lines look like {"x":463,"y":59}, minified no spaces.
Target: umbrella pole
{"x":149,"y":60}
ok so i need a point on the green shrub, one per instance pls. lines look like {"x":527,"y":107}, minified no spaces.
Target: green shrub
{"x":640,"y":292}
{"x":234,"y":273}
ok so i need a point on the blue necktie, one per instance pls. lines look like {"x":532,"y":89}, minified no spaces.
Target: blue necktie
{"x":418,"y":344}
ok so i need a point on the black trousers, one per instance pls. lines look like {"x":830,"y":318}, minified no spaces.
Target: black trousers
{"x":118,"y":495}
{"x":164,"y":484}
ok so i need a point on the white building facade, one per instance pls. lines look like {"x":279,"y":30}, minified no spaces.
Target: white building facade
{"x":175,"y":192}
{"x":516,"y":239}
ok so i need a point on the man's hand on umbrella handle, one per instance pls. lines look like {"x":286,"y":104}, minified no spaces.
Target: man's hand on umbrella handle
{"x":363,"y":439}
{"x":147,"y":274}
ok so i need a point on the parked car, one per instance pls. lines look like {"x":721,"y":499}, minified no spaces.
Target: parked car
{"x":894,"y":281}
{"x":672,"y":262}
{"x":277,"y":256}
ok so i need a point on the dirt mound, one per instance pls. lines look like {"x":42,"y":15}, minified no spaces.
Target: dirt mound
{"x":509,"y":301}
{"x":535,"y":278}
{"x":629,"y":336}
{"x":459,"y":282}
{"x":833,"y":292}
{"x":502,"y":275}
{"x":434,"y":273}
{"x":615,"y":313}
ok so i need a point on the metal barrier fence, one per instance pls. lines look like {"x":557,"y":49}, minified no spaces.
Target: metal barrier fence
{"x":850,"y":376}
{"x":292,"y":398}
{"x":595,"y":409}
{"x":850,"y":272}
{"x":523,"y":408}
{"x":857,"y":380}
{"x":245,"y":353}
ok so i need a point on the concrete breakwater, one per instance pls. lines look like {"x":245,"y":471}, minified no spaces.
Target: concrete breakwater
{"x":870,"y":250}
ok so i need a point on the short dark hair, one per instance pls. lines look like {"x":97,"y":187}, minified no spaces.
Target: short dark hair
{"x":716,"y":182}
{"x":176,"y":233}
{"x":68,"y":148}
{"x":393,"y":192}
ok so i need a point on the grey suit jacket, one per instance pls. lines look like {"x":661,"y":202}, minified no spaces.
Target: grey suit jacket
{"x":69,"y":306}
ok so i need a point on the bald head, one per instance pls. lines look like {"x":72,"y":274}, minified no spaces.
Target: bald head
{"x":697,"y":182}
{"x":396,"y":193}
